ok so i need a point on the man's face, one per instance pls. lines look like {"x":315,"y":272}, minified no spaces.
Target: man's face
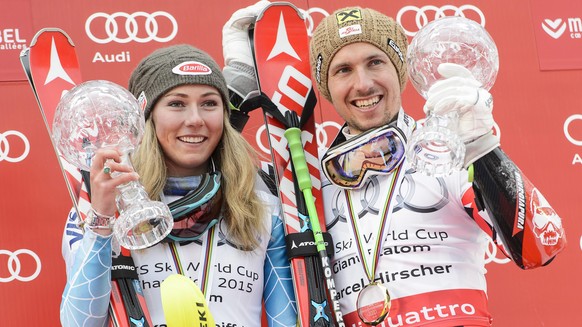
{"x":364,"y":86}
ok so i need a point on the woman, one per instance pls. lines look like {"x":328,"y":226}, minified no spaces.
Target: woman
{"x":234,"y":250}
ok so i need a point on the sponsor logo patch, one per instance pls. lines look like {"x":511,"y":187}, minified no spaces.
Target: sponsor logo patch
{"x":348,"y":16}
{"x":192,"y":68}
{"x":318,"y":68}
{"x":350,"y":30}
{"x":142,"y":101}
{"x":396,"y":48}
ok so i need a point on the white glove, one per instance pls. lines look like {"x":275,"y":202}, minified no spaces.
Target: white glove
{"x":460,"y":91}
{"x":239,"y":70}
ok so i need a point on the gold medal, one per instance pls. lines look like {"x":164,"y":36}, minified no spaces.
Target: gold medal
{"x":373,"y":303}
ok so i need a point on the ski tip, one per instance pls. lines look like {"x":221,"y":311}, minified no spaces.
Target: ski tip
{"x":183,"y":303}
{"x":284,"y":4}
{"x":51,"y":30}
{"x":24,"y":53}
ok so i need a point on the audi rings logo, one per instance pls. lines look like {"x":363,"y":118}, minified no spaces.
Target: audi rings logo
{"x":15,"y":263}
{"x":567,"y":123}
{"x":6,"y":151}
{"x":491,"y":254}
{"x":325,"y":133}
{"x":139,"y":27}
{"x":308,"y":14}
{"x":413,"y":18}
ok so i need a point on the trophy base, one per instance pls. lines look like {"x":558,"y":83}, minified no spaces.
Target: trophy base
{"x":143,"y":225}
{"x":436,"y":151}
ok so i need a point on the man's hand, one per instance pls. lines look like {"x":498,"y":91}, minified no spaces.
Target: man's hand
{"x":460,"y":91}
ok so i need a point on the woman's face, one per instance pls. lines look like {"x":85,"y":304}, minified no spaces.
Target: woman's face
{"x":189,"y":124}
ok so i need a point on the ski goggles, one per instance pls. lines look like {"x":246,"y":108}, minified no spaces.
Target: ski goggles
{"x":199,"y":210}
{"x":377,"y":151}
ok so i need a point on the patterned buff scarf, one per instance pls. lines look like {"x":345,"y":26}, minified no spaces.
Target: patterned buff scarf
{"x":198,"y":208}
{"x":180,"y":186}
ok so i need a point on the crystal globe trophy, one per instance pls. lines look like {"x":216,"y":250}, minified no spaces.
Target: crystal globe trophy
{"x":435,"y":148}
{"x":99,"y":114}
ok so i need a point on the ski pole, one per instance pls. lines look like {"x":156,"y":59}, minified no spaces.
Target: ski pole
{"x":293,"y":136}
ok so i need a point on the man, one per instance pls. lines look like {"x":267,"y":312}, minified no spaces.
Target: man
{"x":408,"y":245}
{"x":409,"y":249}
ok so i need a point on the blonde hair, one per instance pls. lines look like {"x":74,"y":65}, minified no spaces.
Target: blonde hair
{"x":236,"y":159}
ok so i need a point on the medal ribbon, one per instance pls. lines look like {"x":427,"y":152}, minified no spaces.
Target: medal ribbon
{"x":206,"y":257}
{"x":370,"y":269}
{"x":407,"y":125}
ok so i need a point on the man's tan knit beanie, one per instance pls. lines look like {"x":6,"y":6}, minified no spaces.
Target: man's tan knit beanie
{"x":351,"y":25}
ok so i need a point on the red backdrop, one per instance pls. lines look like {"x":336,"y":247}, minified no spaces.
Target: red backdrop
{"x":537,"y":107}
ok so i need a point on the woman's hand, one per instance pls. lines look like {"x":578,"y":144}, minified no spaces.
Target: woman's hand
{"x":107,"y":173}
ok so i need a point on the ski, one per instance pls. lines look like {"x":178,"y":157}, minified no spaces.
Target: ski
{"x":52,"y":68}
{"x":51,"y":72}
{"x":280,"y":46}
